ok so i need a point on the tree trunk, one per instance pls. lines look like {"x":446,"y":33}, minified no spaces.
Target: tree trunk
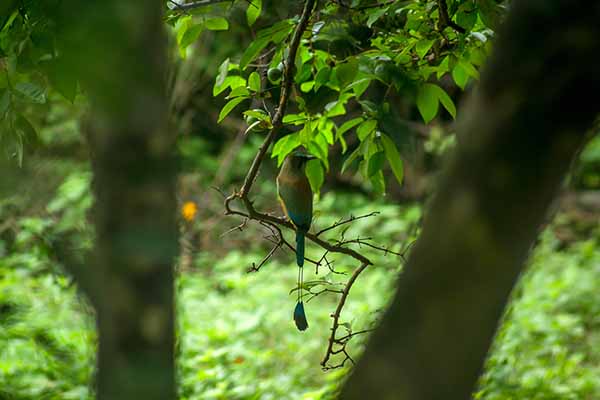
{"x":118,"y":50}
{"x":520,"y":133}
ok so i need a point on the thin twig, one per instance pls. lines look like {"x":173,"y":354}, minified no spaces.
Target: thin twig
{"x":256,"y":268}
{"x":338,"y":311}
{"x":347,"y":221}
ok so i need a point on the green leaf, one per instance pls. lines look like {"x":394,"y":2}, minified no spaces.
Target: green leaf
{"x":254,"y":81}
{"x":216,"y":24}
{"x":306,"y":87}
{"x":378,"y":182}
{"x":318,"y":147}
{"x":359,"y":86}
{"x":490,"y":13}
{"x":375,"y":163}
{"x":280,"y":30}
{"x":346,"y":72}
{"x":30,"y":134}
{"x":275,"y":34}
{"x":253,"y":11}
{"x":62,"y":79}
{"x":295,"y":119}
{"x":316,"y":175}
{"x":31,"y":92}
{"x":187,"y":33}
{"x":238,"y":91}
{"x":466,"y":16}
{"x":350,"y":159}
{"x":375,"y":14}
{"x":253,"y":51}
{"x":4,"y":102}
{"x":322,"y":77}
{"x":447,"y":102}
{"x":229,"y":106}
{"x":469,"y":68}
{"x":222,"y":73}
{"x":325,"y":128}
{"x":258,"y":114}
{"x":366,"y":128}
{"x":423,"y":47}
{"x":346,"y":126}
{"x":393,"y":157}
{"x":460,"y":76}
{"x":427,"y":101}
{"x":443,"y":67}
{"x":232,"y":81}
{"x":335,"y":108}
{"x":285,"y":146}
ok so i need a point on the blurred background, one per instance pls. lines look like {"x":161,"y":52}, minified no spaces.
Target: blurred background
{"x":235,"y":334}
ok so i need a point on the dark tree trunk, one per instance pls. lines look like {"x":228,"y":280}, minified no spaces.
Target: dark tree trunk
{"x":519,"y":136}
{"x":118,"y":49}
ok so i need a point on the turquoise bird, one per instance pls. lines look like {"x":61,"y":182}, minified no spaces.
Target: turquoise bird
{"x":296,"y":199}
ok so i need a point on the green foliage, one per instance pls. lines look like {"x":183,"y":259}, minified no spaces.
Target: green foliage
{"x":402,"y":47}
{"x":236,"y":335}
{"x":31,"y":69}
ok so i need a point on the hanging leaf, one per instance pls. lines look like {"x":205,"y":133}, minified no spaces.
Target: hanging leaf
{"x":393,"y":157}
{"x":227,"y":108}
{"x":427,"y":102}
{"x":254,"y":82}
{"x":366,"y":128}
{"x":253,"y":11}
{"x":375,"y":163}
{"x":31,"y":92}
{"x":423,"y":46}
{"x":346,"y":72}
{"x":285,"y":146}
{"x":216,"y":24}
{"x":316,"y":175}
{"x":351,"y":158}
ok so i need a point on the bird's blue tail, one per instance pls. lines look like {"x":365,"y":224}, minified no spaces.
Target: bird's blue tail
{"x":300,"y":248}
{"x":300,"y":317}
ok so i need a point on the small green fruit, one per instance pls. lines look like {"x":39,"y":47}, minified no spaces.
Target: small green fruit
{"x":274,"y":74}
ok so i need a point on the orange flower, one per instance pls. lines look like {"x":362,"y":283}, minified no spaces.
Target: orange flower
{"x":239,"y":360}
{"x":189,"y":210}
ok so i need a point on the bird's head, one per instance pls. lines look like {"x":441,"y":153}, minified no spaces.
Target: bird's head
{"x":297,"y":160}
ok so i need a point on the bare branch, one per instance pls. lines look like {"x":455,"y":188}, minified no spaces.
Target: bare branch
{"x":256,"y":268}
{"x":336,"y":317}
{"x":347,"y":221}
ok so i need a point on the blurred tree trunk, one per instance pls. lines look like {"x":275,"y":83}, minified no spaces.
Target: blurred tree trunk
{"x":520,"y":133}
{"x":118,"y":49}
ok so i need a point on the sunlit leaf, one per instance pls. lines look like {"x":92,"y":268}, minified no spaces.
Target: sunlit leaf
{"x":316,"y":175}
{"x":227,"y":108}
{"x":393,"y":157}
{"x":366,"y":128}
{"x":427,"y":101}
{"x":216,"y":24}
{"x":254,"y":81}
{"x":285,"y":146}
{"x":253,"y":11}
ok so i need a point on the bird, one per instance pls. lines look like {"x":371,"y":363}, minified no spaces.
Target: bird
{"x":296,"y":197}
